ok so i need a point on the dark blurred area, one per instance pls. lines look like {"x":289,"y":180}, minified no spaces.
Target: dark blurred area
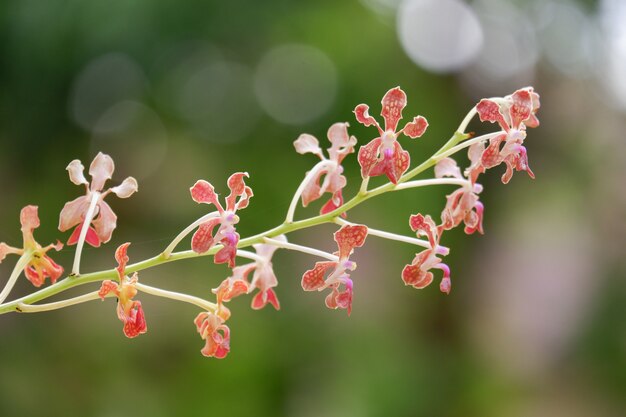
{"x":176,"y":91}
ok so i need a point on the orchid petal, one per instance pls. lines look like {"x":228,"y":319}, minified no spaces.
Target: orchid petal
{"x":308,"y":144}
{"x":76,"y":172}
{"x":393,"y":103}
{"x":101,"y":170}
{"x":127,"y":188}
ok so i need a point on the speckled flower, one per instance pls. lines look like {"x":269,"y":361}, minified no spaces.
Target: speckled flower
{"x":462,"y":205}
{"x":417,"y":273}
{"x":338,"y":280}
{"x":204,"y":239}
{"x":342,"y":144}
{"x":102,"y":219}
{"x":214,"y":332}
{"x":129,"y":311}
{"x":384,"y":155}
{"x":263,"y":279}
{"x":40,"y":266}
{"x":514,"y":113}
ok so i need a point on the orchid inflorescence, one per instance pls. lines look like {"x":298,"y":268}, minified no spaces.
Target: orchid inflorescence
{"x":93,"y":221}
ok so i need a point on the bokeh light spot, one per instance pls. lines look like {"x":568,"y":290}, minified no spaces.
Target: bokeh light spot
{"x":439,"y":35}
{"x":295,"y":84}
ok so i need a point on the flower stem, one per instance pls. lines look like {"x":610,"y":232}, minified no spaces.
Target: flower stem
{"x":447,"y":149}
{"x":38,"y":308}
{"x":203,"y":304}
{"x":300,"y":248}
{"x":95,"y":197}
{"x":433,"y":181}
{"x":467,"y":144}
{"x":250,"y":255}
{"x":170,"y":248}
{"x":24,"y":259}
{"x":309,"y":176}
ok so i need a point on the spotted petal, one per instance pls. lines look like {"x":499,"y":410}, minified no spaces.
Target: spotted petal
{"x":394,"y":101}
{"x":350,"y":237}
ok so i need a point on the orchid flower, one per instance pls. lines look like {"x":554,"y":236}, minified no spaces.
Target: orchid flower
{"x":129,"y":311}
{"x":35,"y":262}
{"x":384,"y":155}
{"x":341,"y":145}
{"x":347,"y":238}
{"x":462,"y":205}
{"x":93,"y":219}
{"x":214,"y":332}
{"x":263,"y":279}
{"x":239,"y":197}
{"x":417,"y":273}
{"x":514,"y":113}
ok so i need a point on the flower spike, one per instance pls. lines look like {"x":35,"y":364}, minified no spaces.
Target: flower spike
{"x":129,"y":311}
{"x":39,"y":266}
{"x":347,"y":238}
{"x":204,"y":238}
{"x":384,"y":154}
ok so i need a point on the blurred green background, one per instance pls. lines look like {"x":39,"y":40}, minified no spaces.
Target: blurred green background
{"x":181,"y":90}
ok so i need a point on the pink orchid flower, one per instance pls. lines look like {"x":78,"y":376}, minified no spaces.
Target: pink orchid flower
{"x":514,"y":113}
{"x":40,"y":266}
{"x":204,"y":239}
{"x":462,"y":205}
{"x":102,"y":219}
{"x":341,"y":145}
{"x":129,"y":311}
{"x":347,"y":238}
{"x":384,"y":155}
{"x":214,"y":332}
{"x":417,"y":273}
{"x":263,"y":279}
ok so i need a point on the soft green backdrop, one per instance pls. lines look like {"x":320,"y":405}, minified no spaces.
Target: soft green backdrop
{"x":181,"y":90}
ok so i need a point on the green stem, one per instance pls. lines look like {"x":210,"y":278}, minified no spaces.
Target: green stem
{"x":284,"y":228}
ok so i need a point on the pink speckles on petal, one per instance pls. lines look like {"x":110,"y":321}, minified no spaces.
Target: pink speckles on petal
{"x":313,"y":279}
{"x":414,"y":276}
{"x":416,"y":128}
{"x":348,"y":238}
{"x":362,"y":115}
{"x":107,"y":287}
{"x":368,"y":156}
{"x":203,"y":192}
{"x":121,"y":257}
{"x":521,"y":108}
{"x":393,"y":103}
{"x":237,"y":187}
{"x":489,"y":111}
{"x":135,"y":324}
{"x":202,"y":239}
